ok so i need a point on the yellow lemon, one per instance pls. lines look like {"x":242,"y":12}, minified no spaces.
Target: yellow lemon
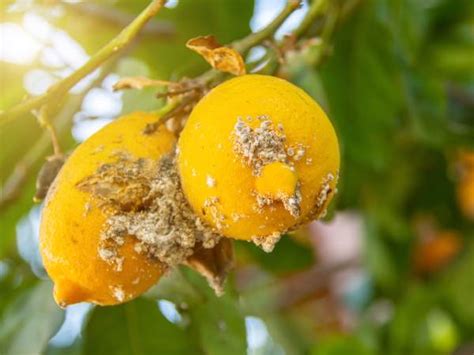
{"x":72,"y":242}
{"x":258,"y":157}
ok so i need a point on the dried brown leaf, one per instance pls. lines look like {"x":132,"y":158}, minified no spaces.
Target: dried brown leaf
{"x":214,"y":264}
{"x":219,"y":57}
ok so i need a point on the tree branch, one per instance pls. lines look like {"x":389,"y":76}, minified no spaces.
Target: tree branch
{"x":253,"y":39}
{"x":161,"y":29}
{"x":58,"y":90}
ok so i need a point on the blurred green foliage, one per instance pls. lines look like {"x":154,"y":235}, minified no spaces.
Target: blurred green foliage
{"x":398,"y":85}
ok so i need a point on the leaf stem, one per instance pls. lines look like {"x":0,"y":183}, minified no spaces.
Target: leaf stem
{"x":43,"y":118}
{"x":58,"y":90}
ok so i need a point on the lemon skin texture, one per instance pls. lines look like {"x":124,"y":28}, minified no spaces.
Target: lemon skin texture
{"x":218,"y":184}
{"x":72,"y":220}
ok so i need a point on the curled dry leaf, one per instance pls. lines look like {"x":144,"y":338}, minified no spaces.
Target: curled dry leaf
{"x":221,"y":58}
{"x":139,"y":82}
{"x":214,"y":264}
{"x":47,"y":174}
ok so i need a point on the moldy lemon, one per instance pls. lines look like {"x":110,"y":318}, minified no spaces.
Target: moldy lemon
{"x":102,"y":179}
{"x":257,"y":158}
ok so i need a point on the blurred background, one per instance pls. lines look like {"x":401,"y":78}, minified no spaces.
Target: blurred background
{"x":391,"y":268}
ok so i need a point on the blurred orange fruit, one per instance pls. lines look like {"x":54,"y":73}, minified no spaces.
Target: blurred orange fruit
{"x":435,"y":249}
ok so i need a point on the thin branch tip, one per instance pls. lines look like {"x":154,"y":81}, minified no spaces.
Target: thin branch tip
{"x":295,"y":3}
{"x":155,"y":6}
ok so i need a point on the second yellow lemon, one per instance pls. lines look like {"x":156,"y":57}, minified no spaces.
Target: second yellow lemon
{"x":258,"y":157}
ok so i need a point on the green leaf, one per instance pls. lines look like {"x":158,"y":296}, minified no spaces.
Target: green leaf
{"x":74,"y":349}
{"x":220,"y":326}
{"x":175,"y":287}
{"x":218,"y":322}
{"x":288,"y":255}
{"x":11,"y":273}
{"x":420,"y":326}
{"x":17,"y":137}
{"x":14,"y":89}
{"x":378,"y":258}
{"x":286,"y":332}
{"x":10,"y":215}
{"x":407,"y":326}
{"x":30,"y":321}
{"x":135,"y":328}
{"x":426,"y":104}
{"x":408,"y":21}
{"x":342,"y":345}
{"x":458,"y":285}
{"x":362,"y":84}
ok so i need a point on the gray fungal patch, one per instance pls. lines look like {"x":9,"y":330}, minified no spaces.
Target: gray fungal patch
{"x":267,"y":243}
{"x":145,"y":202}
{"x":263,"y":145}
{"x":259,"y":146}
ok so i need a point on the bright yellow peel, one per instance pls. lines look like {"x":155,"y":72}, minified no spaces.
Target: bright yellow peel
{"x":222,"y":179}
{"x":277,"y":181}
